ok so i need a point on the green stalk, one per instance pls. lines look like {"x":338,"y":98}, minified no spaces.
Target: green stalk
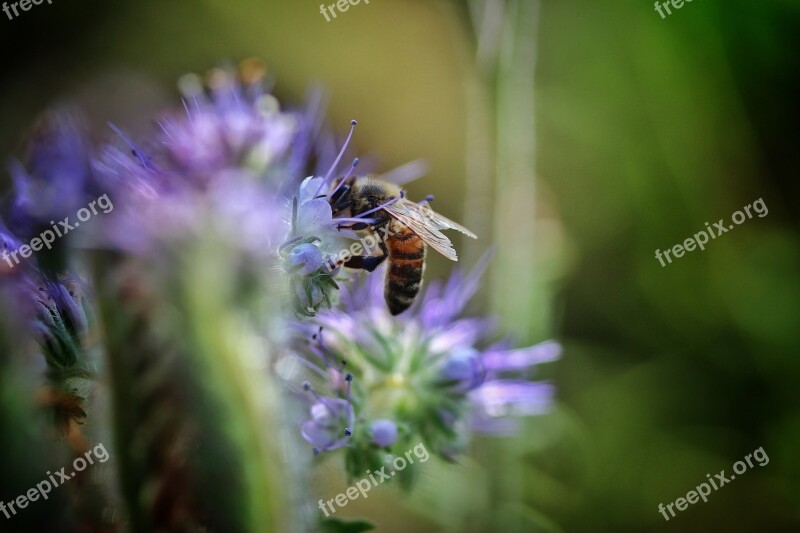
{"x":199,"y":429}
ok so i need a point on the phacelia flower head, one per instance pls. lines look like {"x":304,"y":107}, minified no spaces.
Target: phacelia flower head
{"x":428,"y":374}
{"x":216,"y":164}
{"x":235,"y":124}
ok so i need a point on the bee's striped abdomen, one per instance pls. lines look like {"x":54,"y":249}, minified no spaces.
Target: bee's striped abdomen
{"x":406,"y":265}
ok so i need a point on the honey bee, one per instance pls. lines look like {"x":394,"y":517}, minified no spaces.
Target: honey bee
{"x":406,"y":228}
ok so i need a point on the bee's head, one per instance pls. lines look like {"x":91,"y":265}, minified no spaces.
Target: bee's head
{"x":370,"y":192}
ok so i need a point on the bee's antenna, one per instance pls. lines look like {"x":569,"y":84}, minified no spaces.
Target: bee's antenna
{"x":352,"y":168}
{"x":339,"y":157}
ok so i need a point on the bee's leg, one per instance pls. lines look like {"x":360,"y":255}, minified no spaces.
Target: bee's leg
{"x":341,"y":199}
{"x":369,"y":262}
{"x":358,"y":226}
{"x":355,"y":227}
{"x":365,"y":262}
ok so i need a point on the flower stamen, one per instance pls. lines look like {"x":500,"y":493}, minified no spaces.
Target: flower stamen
{"x":339,"y":157}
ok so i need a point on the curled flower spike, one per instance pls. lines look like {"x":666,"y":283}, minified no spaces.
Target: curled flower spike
{"x":58,"y":320}
{"x":56,"y":177}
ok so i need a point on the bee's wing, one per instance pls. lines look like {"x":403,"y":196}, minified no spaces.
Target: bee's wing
{"x":441,"y":221}
{"x":423,"y":226}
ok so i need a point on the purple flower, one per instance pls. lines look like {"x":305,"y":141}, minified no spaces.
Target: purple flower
{"x":462,"y":370}
{"x":231,"y":126}
{"x":332,"y":418}
{"x":313,"y":224}
{"x":56,"y":177}
{"x":499,"y":360}
{"x":497,"y":405}
{"x":8,"y":244}
{"x":331,"y":424}
{"x":384,"y":432}
{"x":215,"y":168}
{"x":305,"y":259}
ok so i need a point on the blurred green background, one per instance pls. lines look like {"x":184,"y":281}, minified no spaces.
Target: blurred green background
{"x":576,"y":137}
